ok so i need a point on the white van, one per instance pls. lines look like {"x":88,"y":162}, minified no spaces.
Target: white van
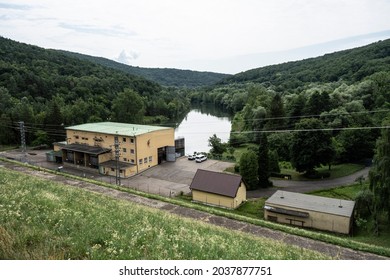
{"x":200,"y":158}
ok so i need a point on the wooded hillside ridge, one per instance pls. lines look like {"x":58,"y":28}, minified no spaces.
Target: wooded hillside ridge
{"x":48,"y":89}
{"x":163,"y":76}
{"x":350,"y":65}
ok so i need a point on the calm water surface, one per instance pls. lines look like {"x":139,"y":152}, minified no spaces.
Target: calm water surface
{"x":198,"y":126}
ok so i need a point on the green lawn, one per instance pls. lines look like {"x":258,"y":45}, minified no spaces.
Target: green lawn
{"x":337,"y":171}
{"x":362,"y":233}
{"x":253,"y":208}
{"x":40,"y":219}
{"x":7,"y":147}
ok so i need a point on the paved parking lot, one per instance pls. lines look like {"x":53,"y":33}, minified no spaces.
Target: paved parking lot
{"x":168,"y":179}
{"x":174,"y":177}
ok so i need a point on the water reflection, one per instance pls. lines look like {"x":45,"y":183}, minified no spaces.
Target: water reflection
{"x":200,"y":124}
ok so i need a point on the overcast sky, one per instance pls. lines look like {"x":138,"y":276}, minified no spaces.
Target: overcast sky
{"x":225,"y":36}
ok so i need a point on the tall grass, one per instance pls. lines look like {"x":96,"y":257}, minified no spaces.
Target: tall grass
{"x":47,"y":220}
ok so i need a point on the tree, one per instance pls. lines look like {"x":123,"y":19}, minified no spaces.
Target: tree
{"x":218,"y":148}
{"x":263,"y":162}
{"x":53,"y":121}
{"x":380,"y":175}
{"x":357,"y":144}
{"x":317,"y":103}
{"x":311,"y":147}
{"x":280,"y":142}
{"x":41,"y":138}
{"x":128,"y":107}
{"x":296,"y":108}
{"x":249,"y":168}
{"x":273,"y":161}
{"x":258,"y":122}
{"x":276,"y":113}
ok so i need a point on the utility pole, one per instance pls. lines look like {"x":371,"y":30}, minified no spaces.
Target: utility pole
{"x":23,"y":140}
{"x":117,"y":153}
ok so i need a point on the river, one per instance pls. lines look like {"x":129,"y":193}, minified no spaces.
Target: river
{"x":199,"y":125}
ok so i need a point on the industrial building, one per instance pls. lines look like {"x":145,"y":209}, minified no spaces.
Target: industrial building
{"x":329,"y":214}
{"x":219,"y":189}
{"x":108,"y":146}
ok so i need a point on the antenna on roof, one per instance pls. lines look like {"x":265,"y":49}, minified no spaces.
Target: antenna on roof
{"x":282,"y":196}
{"x":340,"y":206}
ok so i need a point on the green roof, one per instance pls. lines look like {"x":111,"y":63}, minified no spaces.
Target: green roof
{"x":121,"y":129}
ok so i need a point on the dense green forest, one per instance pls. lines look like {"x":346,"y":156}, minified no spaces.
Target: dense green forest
{"x":316,"y":111}
{"x":163,"y":76}
{"x":350,"y":66}
{"x":48,"y":90}
{"x":345,"y":95}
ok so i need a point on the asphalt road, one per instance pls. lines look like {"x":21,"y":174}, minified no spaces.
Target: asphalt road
{"x":306,"y":186}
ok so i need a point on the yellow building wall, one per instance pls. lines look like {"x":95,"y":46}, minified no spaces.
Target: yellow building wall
{"x":56,"y":148}
{"x":105,"y":157}
{"x":220,"y":200}
{"x":147,"y":146}
{"x":317,"y":220}
{"x":241,"y":195}
{"x":129,"y":171}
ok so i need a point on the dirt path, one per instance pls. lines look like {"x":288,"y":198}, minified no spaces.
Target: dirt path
{"x":333,"y":251}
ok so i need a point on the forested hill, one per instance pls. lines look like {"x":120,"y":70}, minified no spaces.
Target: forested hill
{"x":350,"y":65}
{"x":162,"y":76}
{"x":49,"y":90}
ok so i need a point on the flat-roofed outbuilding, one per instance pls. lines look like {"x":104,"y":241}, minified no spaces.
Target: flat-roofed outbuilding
{"x":311,"y":211}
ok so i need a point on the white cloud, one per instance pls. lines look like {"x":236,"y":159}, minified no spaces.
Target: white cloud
{"x":171,"y":32}
{"x":127,"y":57}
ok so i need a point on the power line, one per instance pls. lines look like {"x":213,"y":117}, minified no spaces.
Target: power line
{"x":312,"y":129}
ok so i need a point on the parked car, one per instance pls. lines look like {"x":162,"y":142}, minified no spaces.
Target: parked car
{"x":192,"y":157}
{"x":200,"y":158}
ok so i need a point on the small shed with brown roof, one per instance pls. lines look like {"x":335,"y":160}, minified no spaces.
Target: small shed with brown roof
{"x":216,"y":188}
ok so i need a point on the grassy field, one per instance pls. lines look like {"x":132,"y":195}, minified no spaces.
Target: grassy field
{"x":46,"y":220}
{"x":337,"y":171}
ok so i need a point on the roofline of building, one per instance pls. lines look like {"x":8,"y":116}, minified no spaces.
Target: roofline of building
{"x":116,"y":128}
{"x":219,"y":173}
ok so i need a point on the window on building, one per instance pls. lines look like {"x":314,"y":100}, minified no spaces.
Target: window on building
{"x":132,"y":140}
{"x":76,"y":136}
{"x":124,"y":150}
{"x":150,"y":159}
{"x":132,"y":161}
{"x":272,"y":218}
{"x":124,"y":139}
{"x":140,"y":161}
{"x":112,"y":169}
{"x":124,"y":159}
{"x":132,"y":151}
{"x":145,"y":160}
